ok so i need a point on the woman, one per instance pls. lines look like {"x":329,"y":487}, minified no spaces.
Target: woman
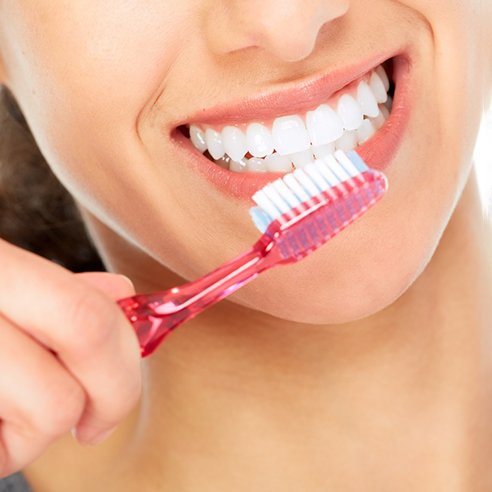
{"x":365,"y":366}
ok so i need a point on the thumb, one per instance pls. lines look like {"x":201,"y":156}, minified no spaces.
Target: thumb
{"x":113,"y":285}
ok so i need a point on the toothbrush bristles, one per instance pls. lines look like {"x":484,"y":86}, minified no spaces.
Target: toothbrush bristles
{"x":342,"y":185}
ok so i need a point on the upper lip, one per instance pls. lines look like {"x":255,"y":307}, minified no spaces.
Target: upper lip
{"x":301,"y":96}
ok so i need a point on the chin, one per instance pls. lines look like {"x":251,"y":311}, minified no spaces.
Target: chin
{"x":319,"y":293}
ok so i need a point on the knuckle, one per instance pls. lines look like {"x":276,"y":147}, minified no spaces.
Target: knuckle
{"x":91,"y":323}
{"x":132,"y":385}
{"x":61,"y":410}
{"x":134,"y":392}
{"x":125,"y":400}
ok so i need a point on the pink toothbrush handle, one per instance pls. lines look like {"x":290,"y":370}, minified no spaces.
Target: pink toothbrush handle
{"x":154,"y":316}
{"x":287,"y":239}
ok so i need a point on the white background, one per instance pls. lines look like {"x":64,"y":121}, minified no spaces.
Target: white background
{"x":483,"y":163}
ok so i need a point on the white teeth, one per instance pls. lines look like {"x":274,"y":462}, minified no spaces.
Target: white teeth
{"x":385,"y":111}
{"x":234,"y":142}
{"x":349,"y":110}
{"x":290,"y":135}
{"x":259,"y":140}
{"x":377,"y":88}
{"x":294,"y":141}
{"x":300,"y":159}
{"x":365,"y":131}
{"x":238,"y":166}
{"x":379,"y":121}
{"x":324,"y":125}
{"x":321,"y":151}
{"x":347,"y":142}
{"x":277,"y":163}
{"x":214,"y":143}
{"x":367,"y":101}
{"x":256,"y":165}
{"x":223,"y":162}
{"x":198,"y":138}
{"x":384,"y":78}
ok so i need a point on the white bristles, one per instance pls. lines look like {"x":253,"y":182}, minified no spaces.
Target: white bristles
{"x":264,"y":202}
{"x":306,"y":182}
{"x":318,"y":179}
{"x":286,"y":193}
{"x":292,"y":189}
{"x":347,"y":163}
{"x":276,"y":198}
{"x":337,"y":169}
{"x":295,"y":186}
{"x":327,"y":173}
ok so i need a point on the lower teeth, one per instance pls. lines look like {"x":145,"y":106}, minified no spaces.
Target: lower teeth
{"x":277,"y":163}
{"x":256,"y":165}
{"x":222,"y":162}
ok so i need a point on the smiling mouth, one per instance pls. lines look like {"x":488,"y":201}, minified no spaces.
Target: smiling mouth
{"x":345,"y":120}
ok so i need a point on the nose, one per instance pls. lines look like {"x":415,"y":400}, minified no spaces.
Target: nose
{"x":287,"y":29}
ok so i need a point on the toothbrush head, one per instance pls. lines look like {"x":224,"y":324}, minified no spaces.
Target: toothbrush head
{"x":304,"y":209}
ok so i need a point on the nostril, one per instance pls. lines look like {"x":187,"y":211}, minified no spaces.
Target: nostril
{"x":286,"y":31}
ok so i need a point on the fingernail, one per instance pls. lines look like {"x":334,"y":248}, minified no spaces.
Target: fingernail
{"x":99,"y":438}
{"x":130,"y":283}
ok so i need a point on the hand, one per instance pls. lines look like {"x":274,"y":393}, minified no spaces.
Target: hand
{"x":68,"y":356}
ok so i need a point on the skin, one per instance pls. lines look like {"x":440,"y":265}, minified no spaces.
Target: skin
{"x":390,"y":382}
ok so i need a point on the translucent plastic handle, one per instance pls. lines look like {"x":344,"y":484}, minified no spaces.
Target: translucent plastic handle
{"x":155,"y":316}
{"x":289,"y":238}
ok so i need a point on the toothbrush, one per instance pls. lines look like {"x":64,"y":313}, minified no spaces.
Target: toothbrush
{"x":296,"y":213}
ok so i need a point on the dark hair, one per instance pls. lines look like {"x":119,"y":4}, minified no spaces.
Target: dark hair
{"x":36,"y":212}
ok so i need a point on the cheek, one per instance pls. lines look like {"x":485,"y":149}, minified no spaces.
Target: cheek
{"x":376,"y":260}
{"x":84,"y":83}
{"x":462,"y":39}
{"x":368,"y":266}
{"x":86,"y":79}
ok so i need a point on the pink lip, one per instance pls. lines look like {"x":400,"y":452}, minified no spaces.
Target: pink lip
{"x":378,"y":152}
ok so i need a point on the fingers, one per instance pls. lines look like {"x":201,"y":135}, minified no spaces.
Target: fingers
{"x":39,"y":400}
{"x":114,"y":286}
{"x":92,"y":339}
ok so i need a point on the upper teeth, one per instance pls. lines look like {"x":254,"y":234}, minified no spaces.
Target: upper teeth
{"x":350,"y":120}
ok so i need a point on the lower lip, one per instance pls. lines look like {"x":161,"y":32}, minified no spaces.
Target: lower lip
{"x":378,"y":152}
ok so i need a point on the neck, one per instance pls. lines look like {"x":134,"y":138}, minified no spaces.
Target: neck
{"x":236,"y":395}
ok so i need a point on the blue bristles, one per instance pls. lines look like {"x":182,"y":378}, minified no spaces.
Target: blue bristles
{"x":291,"y":190}
{"x":260,"y":218}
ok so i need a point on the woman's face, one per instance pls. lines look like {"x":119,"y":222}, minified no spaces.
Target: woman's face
{"x":105,"y":86}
